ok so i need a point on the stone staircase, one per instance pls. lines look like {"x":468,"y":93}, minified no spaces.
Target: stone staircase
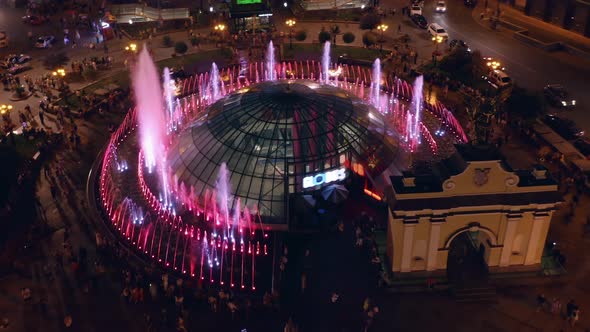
{"x":475,"y":294}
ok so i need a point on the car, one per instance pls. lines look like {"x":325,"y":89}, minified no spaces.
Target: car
{"x":18,"y":58}
{"x":3,"y":39}
{"x":441,"y":7}
{"x":33,"y":19}
{"x":436,"y":30}
{"x":498,"y":78}
{"x":17,"y":69}
{"x":420,"y":21}
{"x":583,"y":145}
{"x":470,"y":3}
{"x":44,"y":41}
{"x":415,"y":10}
{"x":459,"y":43}
{"x":564,"y":127}
{"x":557,"y":96}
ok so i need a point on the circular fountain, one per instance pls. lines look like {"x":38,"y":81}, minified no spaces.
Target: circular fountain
{"x":200,"y":172}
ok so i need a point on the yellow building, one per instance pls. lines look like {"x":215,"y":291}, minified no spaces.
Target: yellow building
{"x":474,"y":198}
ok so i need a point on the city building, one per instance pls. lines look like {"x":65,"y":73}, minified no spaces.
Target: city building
{"x":570,"y":14}
{"x":250,"y":15}
{"x":475,"y":198}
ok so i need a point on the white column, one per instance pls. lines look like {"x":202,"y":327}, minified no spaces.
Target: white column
{"x":433,"y":244}
{"x":535,"y":240}
{"x":408,"y":245}
{"x":511,"y":226}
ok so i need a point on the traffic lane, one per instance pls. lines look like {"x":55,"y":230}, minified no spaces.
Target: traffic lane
{"x":17,"y":30}
{"x":530,"y":67}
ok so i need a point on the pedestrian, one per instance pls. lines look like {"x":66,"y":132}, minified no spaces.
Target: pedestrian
{"x":53,"y":191}
{"x":555,"y":306}
{"x":415,"y":57}
{"x":399,"y":28}
{"x":68,"y":321}
{"x":541,"y":302}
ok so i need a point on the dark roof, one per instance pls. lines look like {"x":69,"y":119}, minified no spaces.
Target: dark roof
{"x":517,"y":198}
{"x":423,"y":184}
{"x":527,"y":179}
{"x":471,"y":152}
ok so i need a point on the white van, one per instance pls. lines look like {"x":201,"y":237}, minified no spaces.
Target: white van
{"x":499,"y":78}
{"x":3,"y":39}
{"x":436,"y":30}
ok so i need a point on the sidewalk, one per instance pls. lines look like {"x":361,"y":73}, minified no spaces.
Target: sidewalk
{"x":537,"y":28}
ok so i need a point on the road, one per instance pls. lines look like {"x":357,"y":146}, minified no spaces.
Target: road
{"x":529,"y":67}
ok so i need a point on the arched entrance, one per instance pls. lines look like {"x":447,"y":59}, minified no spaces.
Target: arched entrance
{"x":469,"y":250}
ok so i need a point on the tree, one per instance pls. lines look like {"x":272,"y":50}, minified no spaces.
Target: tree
{"x":324,"y":36}
{"x":348,"y":37}
{"x":524,"y":103}
{"x":180,"y":47}
{"x":369,"y":39}
{"x":301,"y":35}
{"x":167,"y":41}
{"x":370,"y":21}
{"x":335,"y":31}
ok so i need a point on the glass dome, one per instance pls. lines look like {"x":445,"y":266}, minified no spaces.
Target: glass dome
{"x":272,"y":135}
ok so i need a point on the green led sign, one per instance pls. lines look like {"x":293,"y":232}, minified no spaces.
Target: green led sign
{"x":247,"y":2}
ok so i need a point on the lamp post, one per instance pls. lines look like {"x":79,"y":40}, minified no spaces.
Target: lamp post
{"x":290,"y":24}
{"x":382,"y":28}
{"x":131,"y":48}
{"x":220,"y":28}
{"x":59,"y":72}
{"x":5,"y":109}
{"x":437,"y":40}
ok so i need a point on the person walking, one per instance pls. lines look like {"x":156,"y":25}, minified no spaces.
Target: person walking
{"x":42,"y":117}
{"x":541,"y":302}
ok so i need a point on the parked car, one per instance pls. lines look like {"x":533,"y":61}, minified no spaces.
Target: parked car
{"x":459,"y":43}
{"x":17,"y":69}
{"x":34,"y":19}
{"x":564,"y":127}
{"x":498,"y":78}
{"x":3,"y":39}
{"x":44,"y":41}
{"x":441,"y":7}
{"x":420,"y":21}
{"x":557,"y":96}
{"x":415,"y":10}
{"x":18,"y":58}
{"x":470,"y":3}
{"x":436,"y":30}
{"x":583,"y":145}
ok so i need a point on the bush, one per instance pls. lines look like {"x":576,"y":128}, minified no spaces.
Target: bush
{"x":89,"y":74}
{"x":369,"y":39}
{"x":167,"y":41}
{"x":348,"y":37}
{"x":370,"y":21}
{"x":324,"y":36}
{"x":195,"y":41}
{"x":301,"y":35}
{"x":180,"y":47}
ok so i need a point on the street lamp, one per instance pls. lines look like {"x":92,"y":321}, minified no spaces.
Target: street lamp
{"x":59,"y":72}
{"x":382,"y":28}
{"x":290,"y":23}
{"x":5,"y":109}
{"x":219,"y":27}
{"x":131,"y":47}
{"x":437,"y":40}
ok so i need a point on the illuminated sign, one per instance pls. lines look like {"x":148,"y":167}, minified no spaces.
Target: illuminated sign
{"x":321,"y":178}
{"x":247,"y":2}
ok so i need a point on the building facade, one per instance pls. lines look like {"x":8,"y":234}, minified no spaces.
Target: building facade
{"x":569,"y":14}
{"x":505,"y":213}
